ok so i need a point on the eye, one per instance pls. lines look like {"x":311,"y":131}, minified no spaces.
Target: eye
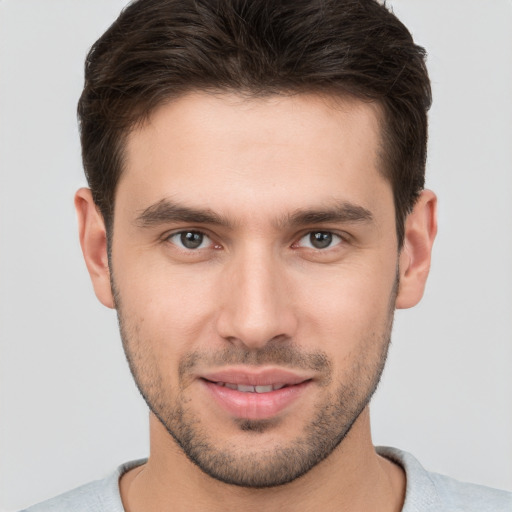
{"x":319,"y":240}
{"x":190,"y":240}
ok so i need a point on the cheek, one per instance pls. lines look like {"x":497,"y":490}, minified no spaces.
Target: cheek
{"x":169,"y":310}
{"x":347,"y":309}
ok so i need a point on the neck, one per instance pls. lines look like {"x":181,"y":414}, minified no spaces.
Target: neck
{"x":354,"y":477}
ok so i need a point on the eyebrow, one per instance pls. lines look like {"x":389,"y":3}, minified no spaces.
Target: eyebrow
{"x":344,"y":212}
{"x":166,"y":211}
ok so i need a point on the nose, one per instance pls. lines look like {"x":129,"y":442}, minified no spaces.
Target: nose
{"x":256,"y":306}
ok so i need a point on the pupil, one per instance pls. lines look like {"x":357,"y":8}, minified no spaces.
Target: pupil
{"x":191,"y":239}
{"x":321,"y":239}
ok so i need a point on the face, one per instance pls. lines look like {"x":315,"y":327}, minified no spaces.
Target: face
{"x":254,"y":268}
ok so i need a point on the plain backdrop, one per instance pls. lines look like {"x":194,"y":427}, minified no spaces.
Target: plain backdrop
{"x":69,"y":411}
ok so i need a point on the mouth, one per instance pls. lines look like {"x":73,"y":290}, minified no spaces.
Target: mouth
{"x":244,"y":388}
{"x":256,"y":395}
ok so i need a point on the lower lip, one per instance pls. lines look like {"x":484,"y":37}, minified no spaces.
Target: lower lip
{"x":255,"y":406}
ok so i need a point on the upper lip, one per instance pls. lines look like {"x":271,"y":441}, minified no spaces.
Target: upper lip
{"x":256,"y":377}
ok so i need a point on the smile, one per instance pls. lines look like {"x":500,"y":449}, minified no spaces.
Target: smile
{"x":249,"y":394}
{"x":244,"y":388}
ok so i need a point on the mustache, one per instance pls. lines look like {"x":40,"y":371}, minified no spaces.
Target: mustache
{"x":273,"y":353}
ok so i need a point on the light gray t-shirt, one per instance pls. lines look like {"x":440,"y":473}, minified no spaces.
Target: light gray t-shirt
{"x":426,"y":492}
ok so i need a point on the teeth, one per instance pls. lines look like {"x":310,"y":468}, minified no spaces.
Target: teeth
{"x":251,"y":389}
{"x":245,"y":389}
{"x":263,"y":389}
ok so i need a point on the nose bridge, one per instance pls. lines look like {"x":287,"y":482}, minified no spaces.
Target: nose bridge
{"x":256,"y":308}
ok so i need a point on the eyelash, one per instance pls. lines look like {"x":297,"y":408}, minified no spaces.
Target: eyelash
{"x":183,"y":233}
{"x":331,"y":236}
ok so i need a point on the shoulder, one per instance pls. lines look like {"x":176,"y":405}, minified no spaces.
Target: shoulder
{"x":87,"y":498}
{"x":98,"y":496}
{"x":471,"y":497}
{"x":431,"y":492}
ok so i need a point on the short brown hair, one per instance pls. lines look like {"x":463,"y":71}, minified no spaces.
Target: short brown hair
{"x":160,"y":49}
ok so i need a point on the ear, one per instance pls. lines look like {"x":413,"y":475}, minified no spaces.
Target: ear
{"x":414,"y":262}
{"x":93,"y":239}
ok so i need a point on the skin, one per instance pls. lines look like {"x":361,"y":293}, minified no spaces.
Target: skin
{"x":257,"y":287}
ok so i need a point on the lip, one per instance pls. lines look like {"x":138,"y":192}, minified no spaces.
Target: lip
{"x":258,"y":377}
{"x":255,"y":406}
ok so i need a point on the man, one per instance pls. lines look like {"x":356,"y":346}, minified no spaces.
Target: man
{"x":256,"y":214}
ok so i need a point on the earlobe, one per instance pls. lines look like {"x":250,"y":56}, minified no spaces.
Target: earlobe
{"x":93,"y":240}
{"x":414,"y":263}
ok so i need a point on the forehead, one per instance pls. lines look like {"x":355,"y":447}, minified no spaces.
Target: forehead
{"x":225,"y":151}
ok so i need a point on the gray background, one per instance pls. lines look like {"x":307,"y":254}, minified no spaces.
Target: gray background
{"x":68,"y":409}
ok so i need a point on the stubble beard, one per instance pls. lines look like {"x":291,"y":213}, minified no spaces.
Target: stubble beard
{"x":278,"y":464}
